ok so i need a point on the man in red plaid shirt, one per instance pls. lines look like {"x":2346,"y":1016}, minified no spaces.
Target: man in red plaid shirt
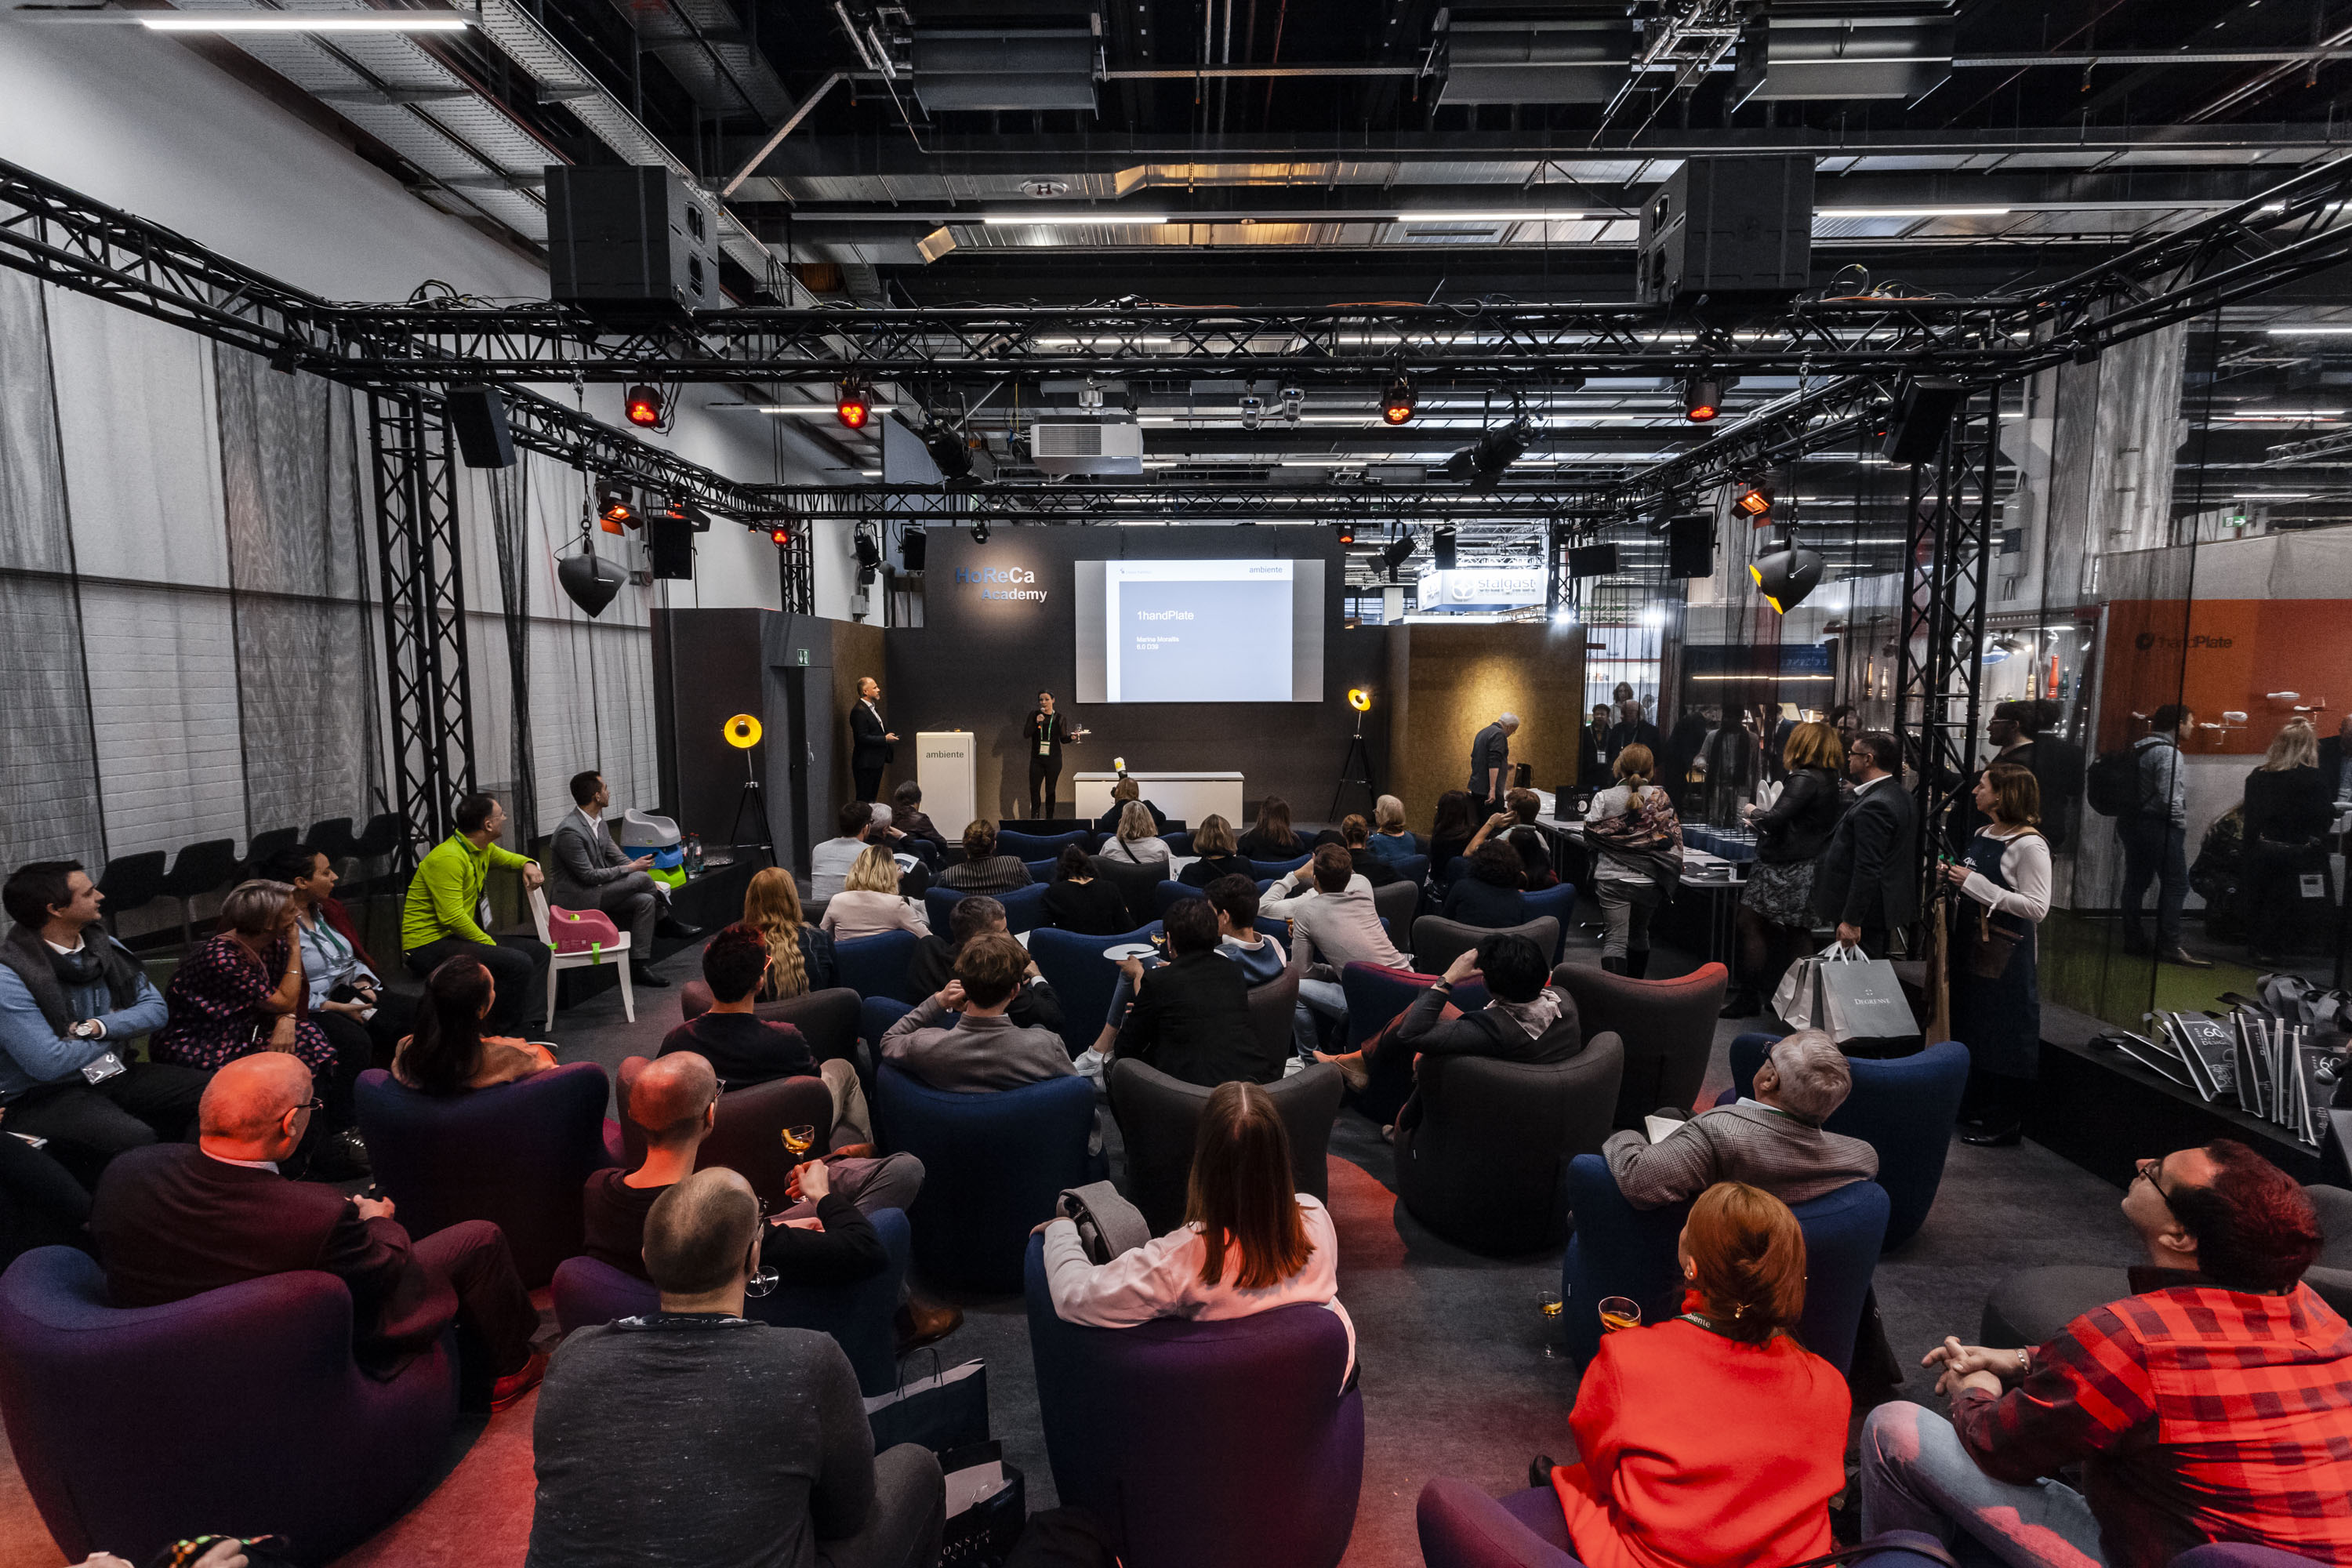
{"x":2213,"y":1403}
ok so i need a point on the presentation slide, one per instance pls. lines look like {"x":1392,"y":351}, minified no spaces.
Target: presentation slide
{"x":1198,"y":631}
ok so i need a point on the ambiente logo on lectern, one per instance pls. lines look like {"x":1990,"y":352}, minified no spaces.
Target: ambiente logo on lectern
{"x":989,"y":578}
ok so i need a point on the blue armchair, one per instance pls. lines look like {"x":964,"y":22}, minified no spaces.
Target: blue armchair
{"x":876,"y":965}
{"x":992,"y":1165}
{"x":1081,"y":976}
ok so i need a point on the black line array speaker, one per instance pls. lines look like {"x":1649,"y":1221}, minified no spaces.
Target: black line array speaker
{"x":1690,"y":545}
{"x":912,"y":545}
{"x":670,"y":540}
{"x":1917,"y":429}
{"x":1738,"y":229}
{"x":1592,"y":561}
{"x":478,"y":417}
{"x":630,"y":241}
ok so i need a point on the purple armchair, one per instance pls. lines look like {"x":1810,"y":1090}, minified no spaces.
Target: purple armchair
{"x":515,"y":1154}
{"x":861,"y":1317}
{"x":239,"y":1411}
{"x":1461,"y":1527}
{"x":1144,"y":1424}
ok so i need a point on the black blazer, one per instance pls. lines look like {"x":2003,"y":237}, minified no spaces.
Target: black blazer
{"x":1191,"y":1021}
{"x":867,"y":748}
{"x":1486,"y":1032}
{"x":2293,"y":805}
{"x":1256,"y":846}
{"x":1592,"y":757}
{"x":1869,"y":875}
{"x":173,"y":1222}
{"x":1798,"y":826}
{"x":1209,"y":868}
{"x":1092,"y":908}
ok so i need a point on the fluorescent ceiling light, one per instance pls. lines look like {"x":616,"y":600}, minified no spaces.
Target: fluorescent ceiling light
{"x":304,"y":22}
{"x":2309,"y":332}
{"x":812,"y":410}
{"x":1487,"y":218}
{"x":1067,"y":217}
{"x":2285,"y":413}
{"x":1910,"y":212}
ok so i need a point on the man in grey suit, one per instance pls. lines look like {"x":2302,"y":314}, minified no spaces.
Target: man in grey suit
{"x":591,"y":873}
{"x":1772,"y":1138}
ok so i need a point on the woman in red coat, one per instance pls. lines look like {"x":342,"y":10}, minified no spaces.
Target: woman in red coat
{"x":1715,"y":1440}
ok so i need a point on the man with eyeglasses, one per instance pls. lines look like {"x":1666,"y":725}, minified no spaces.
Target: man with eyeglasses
{"x":174,"y":1220}
{"x":2213,"y":1403}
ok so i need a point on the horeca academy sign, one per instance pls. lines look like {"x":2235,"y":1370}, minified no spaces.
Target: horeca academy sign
{"x":1013,"y":584}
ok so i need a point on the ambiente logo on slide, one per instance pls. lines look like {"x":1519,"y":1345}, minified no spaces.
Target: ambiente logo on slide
{"x":986,"y":577}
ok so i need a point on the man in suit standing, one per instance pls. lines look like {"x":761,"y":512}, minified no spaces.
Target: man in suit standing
{"x":1770,"y":1138}
{"x":592,"y":873}
{"x":1867,"y":880}
{"x":1630,"y":729}
{"x":1593,"y":755}
{"x":1490,"y":763}
{"x":870,"y":740}
{"x":174,"y":1220}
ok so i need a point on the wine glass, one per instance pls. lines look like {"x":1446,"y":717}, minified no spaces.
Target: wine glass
{"x":800,"y":1140}
{"x":761,"y":1281}
{"x":1620,"y":1312}
{"x":1548,"y":1303}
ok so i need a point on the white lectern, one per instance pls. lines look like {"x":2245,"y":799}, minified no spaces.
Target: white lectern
{"x":943,"y":764}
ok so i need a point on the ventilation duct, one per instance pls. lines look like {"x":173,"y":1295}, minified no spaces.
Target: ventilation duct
{"x":1842,"y":57}
{"x":1538,"y":62}
{"x":955,"y":69}
{"x":1087,"y":449}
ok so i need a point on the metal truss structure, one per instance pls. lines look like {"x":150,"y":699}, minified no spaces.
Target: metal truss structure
{"x":420,"y":569}
{"x":1099,"y":501}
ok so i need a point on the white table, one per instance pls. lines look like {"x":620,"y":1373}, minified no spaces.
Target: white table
{"x":1187,"y":797}
{"x":943,"y":766}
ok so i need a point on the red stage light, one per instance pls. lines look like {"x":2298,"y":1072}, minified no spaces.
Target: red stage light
{"x":1396,"y":405}
{"x":780,"y":536}
{"x":644,"y":406}
{"x":854,"y":406}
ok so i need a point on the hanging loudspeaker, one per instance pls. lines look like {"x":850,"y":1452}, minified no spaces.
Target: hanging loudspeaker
{"x":911,"y":546}
{"x":478,"y":416}
{"x":1690,"y":546}
{"x":589,"y":581}
{"x":671,"y":539}
{"x":1592,"y":561}
{"x":1917,"y":432}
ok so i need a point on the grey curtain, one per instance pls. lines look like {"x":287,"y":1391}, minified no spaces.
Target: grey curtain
{"x":48,"y":772}
{"x":308,"y":700}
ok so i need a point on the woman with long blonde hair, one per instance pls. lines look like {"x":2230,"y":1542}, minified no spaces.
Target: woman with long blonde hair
{"x":802,"y":954}
{"x":1776,"y":907}
{"x":869,"y":903}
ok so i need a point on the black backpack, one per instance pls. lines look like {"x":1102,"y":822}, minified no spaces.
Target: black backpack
{"x":2111,"y":785}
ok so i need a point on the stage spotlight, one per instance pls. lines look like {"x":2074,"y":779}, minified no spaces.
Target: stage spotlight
{"x":979,"y":531}
{"x":1359,"y":699}
{"x":588,"y":580}
{"x":951,"y":453}
{"x":644,"y":406}
{"x":853,"y":405}
{"x":1396,"y":553}
{"x":615,"y":509}
{"x":1702,"y":398}
{"x":1753,"y":498}
{"x":1396,"y":404}
{"x":1293,"y":399}
{"x":742,"y":731}
{"x":1347,"y":532}
{"x":780,"y":537}
{"x":1481,"y":465}
{"x":1253,"y":410}
{"x":869,"y":555}
{"x":1786,"y":576}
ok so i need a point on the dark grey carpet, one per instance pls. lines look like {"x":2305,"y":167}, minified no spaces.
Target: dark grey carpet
{"x":1456,"y":1378}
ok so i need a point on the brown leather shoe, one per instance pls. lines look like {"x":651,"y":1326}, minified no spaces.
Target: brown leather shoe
{"x":515,"y":1384}
{"x":921,"y":1324}
{"x":1353,"y":1071}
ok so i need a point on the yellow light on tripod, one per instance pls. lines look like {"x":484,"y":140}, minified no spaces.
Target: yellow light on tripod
{"x":742,"y":731}
{"x":1359,"y":699}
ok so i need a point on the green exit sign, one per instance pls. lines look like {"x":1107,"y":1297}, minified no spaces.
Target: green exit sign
{"x":803,"y":657}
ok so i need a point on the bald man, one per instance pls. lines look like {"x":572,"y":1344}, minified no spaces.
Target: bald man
{"x":675,"y":1101}
{"x":173,"y":1221}
{"x":696,"y":1434}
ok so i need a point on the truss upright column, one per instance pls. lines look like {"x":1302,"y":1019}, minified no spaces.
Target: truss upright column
{"x":423,"y":592}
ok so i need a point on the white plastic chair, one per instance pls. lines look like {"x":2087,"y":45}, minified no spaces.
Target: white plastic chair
{"x":557,"y":962}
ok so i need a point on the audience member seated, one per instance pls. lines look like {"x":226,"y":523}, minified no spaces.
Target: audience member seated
{"x":438,"y":922}
{"x":1215,"y":855}
{"x":449,"y":1053}
{"x":1450,"y":834}
{"x":1191,"y":1016}
{"x":1272,"y":838}
{"x":869,"y":903}
{"x":1391,"y":839}
{"x":1126,"y":790}
{"x":1487,"y":894}
{"x":1332,"y":925}
{"x":747,"y":1049}
{"x":1516,"y":825}
{"x":174,"y":1220}
{"x":1035,"y":1006}
{"x":983,"y":1051}
{"x":1772,"y":1138}
{"x":1079,"y":900}
{"x":592,"y":872}
{"x":1713,"y":1438}
{"x":1355,"y":836}
{"x":908,"y":821}
{"x":348,"y":999}
{"x":1248,"y":1244}
{"x":1524,"y":1019}
{"x":800,"y":954}
{"x":71,"y":998}
{"x":1260,"y":959}
{"x":1136,"y":843}
{"x":695,"y":1435}
{"x":243,"y":991}
{"x":983,"y":871}
{"x":830,"y":861}
{"x":2213,"y":1403}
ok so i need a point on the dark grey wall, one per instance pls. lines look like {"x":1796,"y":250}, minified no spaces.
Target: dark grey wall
{"x":978,"y":664}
